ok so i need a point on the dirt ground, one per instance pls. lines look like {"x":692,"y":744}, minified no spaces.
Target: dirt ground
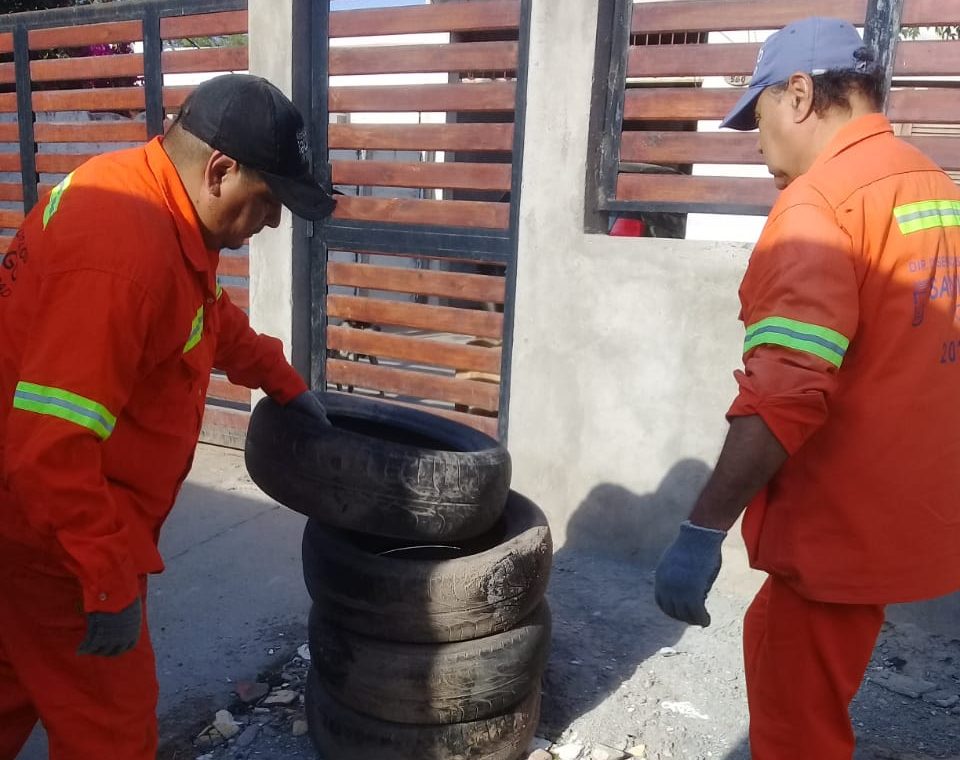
{"x":623,"y":675}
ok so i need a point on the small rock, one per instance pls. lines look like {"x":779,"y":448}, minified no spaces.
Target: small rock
{"x":941,"y":698}
{"x":281,"y":697}
{"x":208,"y":756}
{"x":299,"y":727}
{"x":603,"y":752}
{"x":248,"y":735}
{"x":225,"y":724}
{"x":900,"y":684}
{"x":303,"y":652}
{"x":638,"y":751}
{"x":667,"y":652}
{"x":568,"y":751}
{"x":261,"y":710}
{"x":249,"y":691}
{"x":685,"y":709}
{"x":538,"y":742}
{"x":540,"y":754}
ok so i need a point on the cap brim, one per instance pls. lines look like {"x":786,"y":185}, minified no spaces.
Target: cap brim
{"x":743,"y":115}
{"x":302,"y":195}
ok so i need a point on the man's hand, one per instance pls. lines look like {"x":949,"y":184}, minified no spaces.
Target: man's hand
{"x":308,"y":403}
{"x":686,"y":573}
{"x":112,"y":633}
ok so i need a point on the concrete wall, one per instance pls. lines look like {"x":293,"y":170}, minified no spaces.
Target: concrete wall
{"x":624,"y":348}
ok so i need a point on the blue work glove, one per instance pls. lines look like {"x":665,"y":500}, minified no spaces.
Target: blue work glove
{"x":686,"y":573}
{"x":112,"y":633}
{"x":309,"y":404}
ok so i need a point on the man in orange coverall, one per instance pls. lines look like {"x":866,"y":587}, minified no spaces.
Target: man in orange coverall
{"x":843,"y":439}
{"x":111,"y":321}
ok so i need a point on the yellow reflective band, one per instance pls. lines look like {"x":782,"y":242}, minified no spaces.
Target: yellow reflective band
{"x":219,"y":291}
{"x":53,"y":204}
{"x":828,"y":344}
{"x":196,"y":331}
{"x":914,"y":217}
{"x":56,"y":402}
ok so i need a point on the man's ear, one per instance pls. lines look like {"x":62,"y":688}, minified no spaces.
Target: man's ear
{"x":219,"y":165}
{"x":800,"y":94}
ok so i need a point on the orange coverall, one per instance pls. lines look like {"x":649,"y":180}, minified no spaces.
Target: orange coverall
{"x":111,"y":320}
{"x":852,"y":359}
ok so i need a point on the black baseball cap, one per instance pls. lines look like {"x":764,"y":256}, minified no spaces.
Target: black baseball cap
{"x":250,"y":120}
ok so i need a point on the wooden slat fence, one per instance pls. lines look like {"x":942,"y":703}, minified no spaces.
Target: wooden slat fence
{"x":682,"y":59}
{"x":433,"y":150}
{"x":88,"y":104}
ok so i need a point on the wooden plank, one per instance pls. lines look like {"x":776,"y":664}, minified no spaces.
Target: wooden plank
{"x":90,"y":67}
{"x":11,"y":220}
{"x":929,"y":13}
{"x":6,"y":42}
{"x":416,"y":350}
{"x":927,"y":58}
{"x":9,"y":133}
{"x":468,"y":287}
{"x":692,"y":60}
{"x":457,"y":176}
{"x":204,"y":25}
{"x":173,"y":97}
{"x":730,"y":15}
{"x":234,"y":266}
{"x":99,"y":131}
{"x":672,"y":188}
{"x":8,"y":102}
{"x":472,"y":137}
{"x":482,"y":96}
{"x":224,"y":427}
{"x":679,"y":103}
{"x":473,"y":214}
{"x":222,"y":388}
{"x":417,"y":384}
{"x":451,"y":17}
{"x":8,"y":74}
{"x":104,"y":99}
{"x":944,"y":151}
{"x":9,"y":162}
{"x":934,"y":106}
{"x":240,"y":296}
{"x":656,"y":147}
{"x":85,"y":34}
{"x":414,"y":59}
{"x":484,"y":424}
{"x":60,"y":163}
{"x":232,"y":59}
{"x":480,"y":324}
{"x":11,"y":192}
{"x":5,"y":241}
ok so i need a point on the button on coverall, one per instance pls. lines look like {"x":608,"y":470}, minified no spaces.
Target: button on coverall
{"x":111,"y":321}
{"x":852,"y":359}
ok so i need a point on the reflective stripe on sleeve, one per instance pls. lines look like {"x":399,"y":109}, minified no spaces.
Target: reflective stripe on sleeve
{"x":56,"y":195}
{"x":196,"y":331}
{"x":926,"y":215}
{"x":55,"y":402}
{"x":800,"y":336}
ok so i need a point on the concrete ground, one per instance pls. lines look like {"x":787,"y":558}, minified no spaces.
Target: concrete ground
{"x":232,"y":605}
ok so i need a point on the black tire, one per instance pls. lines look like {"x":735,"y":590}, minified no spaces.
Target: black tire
{"x":497,"y":580}
{"x":340,"y":733}
{"x":379,"y":468}
{"x":430,"y":683}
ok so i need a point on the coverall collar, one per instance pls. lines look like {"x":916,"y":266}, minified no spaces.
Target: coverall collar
{"x":195,"y":251}
{"x":853,"y":132}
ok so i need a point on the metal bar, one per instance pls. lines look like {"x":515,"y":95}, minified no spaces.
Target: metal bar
{"x":881,"y":33}
{"x":615,"y":96}
{"x":445,"y":242}
{"x":129,"y":10}
{"x":510,"y":300}
{"x":153,"y":71}
{"x":594,"y":218}
{"x":686,"y":208}
{"x":319,"y":120}
{"x":25,"y":117}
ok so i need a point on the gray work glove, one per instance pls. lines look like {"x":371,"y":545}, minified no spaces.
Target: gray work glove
{"x":309,"y":404}
{"x":686,"y":573}
{"x":112,"y":633}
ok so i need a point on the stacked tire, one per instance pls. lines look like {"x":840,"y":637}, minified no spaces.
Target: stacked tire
{"x":429,"y":630}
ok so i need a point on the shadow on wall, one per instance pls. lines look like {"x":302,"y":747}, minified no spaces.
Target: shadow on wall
{"x":605,"y":620}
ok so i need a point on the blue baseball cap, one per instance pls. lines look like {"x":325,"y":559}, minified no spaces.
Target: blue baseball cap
{"x":813,"y":46}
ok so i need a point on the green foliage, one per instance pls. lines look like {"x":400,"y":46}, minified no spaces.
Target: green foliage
{"x":943,"y":32}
